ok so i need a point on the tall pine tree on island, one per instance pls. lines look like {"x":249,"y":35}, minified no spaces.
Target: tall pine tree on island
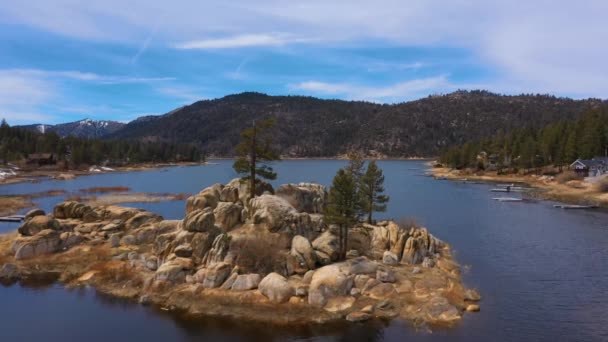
{"x":343,"y":206}
{"x":372,"y":191}
{"x":254,"y":149}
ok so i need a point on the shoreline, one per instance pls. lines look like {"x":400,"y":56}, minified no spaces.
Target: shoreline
{"x":578,"y":193}
{"x":35,"y":176}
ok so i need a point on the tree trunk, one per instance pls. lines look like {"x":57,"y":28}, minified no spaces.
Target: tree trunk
{"x":371,"y":205}
{"x":252,"y":164}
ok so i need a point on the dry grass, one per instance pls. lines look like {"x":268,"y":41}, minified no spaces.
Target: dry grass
{"x":78,"y":198}
{"x":115,"y":271}
{"x":567,"y":176}
{"x":6,"y":240}
{"x":601,"y":185}
{"x":9,"y":205}
{"x":408,"y":222}
{"x":263,"y":253}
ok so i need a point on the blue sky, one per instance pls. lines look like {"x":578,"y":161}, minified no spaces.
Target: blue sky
{"x":65,"y":60}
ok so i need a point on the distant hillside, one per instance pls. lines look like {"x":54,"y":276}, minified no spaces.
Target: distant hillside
{"x":86,"y":128}
{"x":311,"y":127}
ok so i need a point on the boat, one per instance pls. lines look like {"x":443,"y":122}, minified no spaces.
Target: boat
{"x":12,"y":218}
{"x":574,"y":206}
{"x":508,"y":199}
{"x":508,"y":190}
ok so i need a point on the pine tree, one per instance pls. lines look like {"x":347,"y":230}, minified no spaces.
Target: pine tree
{"x":355,"y":166}
{"x":372,"y":189}
{"x":342,"y":207}
{"x":255,"y":147}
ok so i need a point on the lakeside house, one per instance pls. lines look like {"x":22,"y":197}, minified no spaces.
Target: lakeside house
{"x":595,"y":167}
{"x":41,"y":159}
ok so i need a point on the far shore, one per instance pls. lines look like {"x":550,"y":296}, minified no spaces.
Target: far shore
{"x":44,"y":174}
{"x":573,"y":192}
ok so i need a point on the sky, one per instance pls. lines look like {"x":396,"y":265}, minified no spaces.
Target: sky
{"x":65,"y":60}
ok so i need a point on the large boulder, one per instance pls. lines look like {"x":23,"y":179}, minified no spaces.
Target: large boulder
{"x":70,"y":210}
{"x":199,"y":220}
{"x":227,"y":215}
{"x":328,"y":282}
{"x":303,"y":251}
{"x":229,"y":194}
{"x":276,"y":288}
{"x":207,"y":198}
{"x":414,"y":251}
{"x":439,"y":310}
{"x":142,"y":218}
{"x":244,"y":282}
{"x":243,"y":188}
{"x":390,"y":258}
{"x":37,"y":224}
{"x":272,"y":212}
{"x":214,"y":275}
{"x":33,"y":213}
{"x":305,"y":197}
{"x":359,"y":265}
{"x":380,"y":240}
{"x":326,"y":247}
{"x":45,"y":242}
{"x":116,"y":213}
{"x":218,"y":251}
{"x":8,"y":273}
{"x":174,"y":271}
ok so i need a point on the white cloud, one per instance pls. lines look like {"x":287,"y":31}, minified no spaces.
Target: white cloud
{"x":241,"y":41}
{"x":35,"y":95}
{"x":81,"y":76}
{"x":548,"y":46}
{"x":406,"y":90}
{"x":21,"y":96}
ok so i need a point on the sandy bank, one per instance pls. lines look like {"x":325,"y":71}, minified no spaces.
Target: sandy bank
{"x":573,"y":192}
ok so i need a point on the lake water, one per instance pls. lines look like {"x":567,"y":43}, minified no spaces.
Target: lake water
{"x":542,"y":272}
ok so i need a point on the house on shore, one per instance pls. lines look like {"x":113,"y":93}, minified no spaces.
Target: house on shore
{"x":41,"y":159}
{"x":595,"y":167}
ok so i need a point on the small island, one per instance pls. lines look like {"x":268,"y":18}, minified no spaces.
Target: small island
{"x":271,"y":258}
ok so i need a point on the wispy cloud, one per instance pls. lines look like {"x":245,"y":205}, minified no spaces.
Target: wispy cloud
{"x":382,"y":66}
{"x":81,"y":76}
{"x":242,"y":41}
{"x":400,"y":91}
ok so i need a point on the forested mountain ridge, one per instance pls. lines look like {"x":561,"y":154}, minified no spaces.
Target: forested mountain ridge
{"x":86,"y":128}
{"x":558,"y":143}
{"x":312,"y":127}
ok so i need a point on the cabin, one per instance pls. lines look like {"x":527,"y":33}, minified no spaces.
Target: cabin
{"x":41,"y":159}
{"x":595,"y":167}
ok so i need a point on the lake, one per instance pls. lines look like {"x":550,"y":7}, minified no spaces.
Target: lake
{"x":541,"y":271}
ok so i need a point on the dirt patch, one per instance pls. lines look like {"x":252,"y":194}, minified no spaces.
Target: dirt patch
{"x":105,"y":189}
{"x":572,"y":191}
{"x":120,"y":198}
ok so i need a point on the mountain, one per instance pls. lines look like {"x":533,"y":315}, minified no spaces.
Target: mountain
{"x":312,"y":127}
{"x":86,"y":128}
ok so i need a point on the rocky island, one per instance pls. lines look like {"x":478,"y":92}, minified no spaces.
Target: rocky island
{"x":271,"y":259}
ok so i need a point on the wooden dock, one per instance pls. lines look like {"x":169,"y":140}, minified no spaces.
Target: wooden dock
{"x":574,"y":206}
{"x":12,"y":218}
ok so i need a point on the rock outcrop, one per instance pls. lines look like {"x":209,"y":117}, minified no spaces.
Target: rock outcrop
{"x":390,"y":270}
{"x":304,"y":197}
{"x":276,"y":288}
{"x":45,"y":242}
